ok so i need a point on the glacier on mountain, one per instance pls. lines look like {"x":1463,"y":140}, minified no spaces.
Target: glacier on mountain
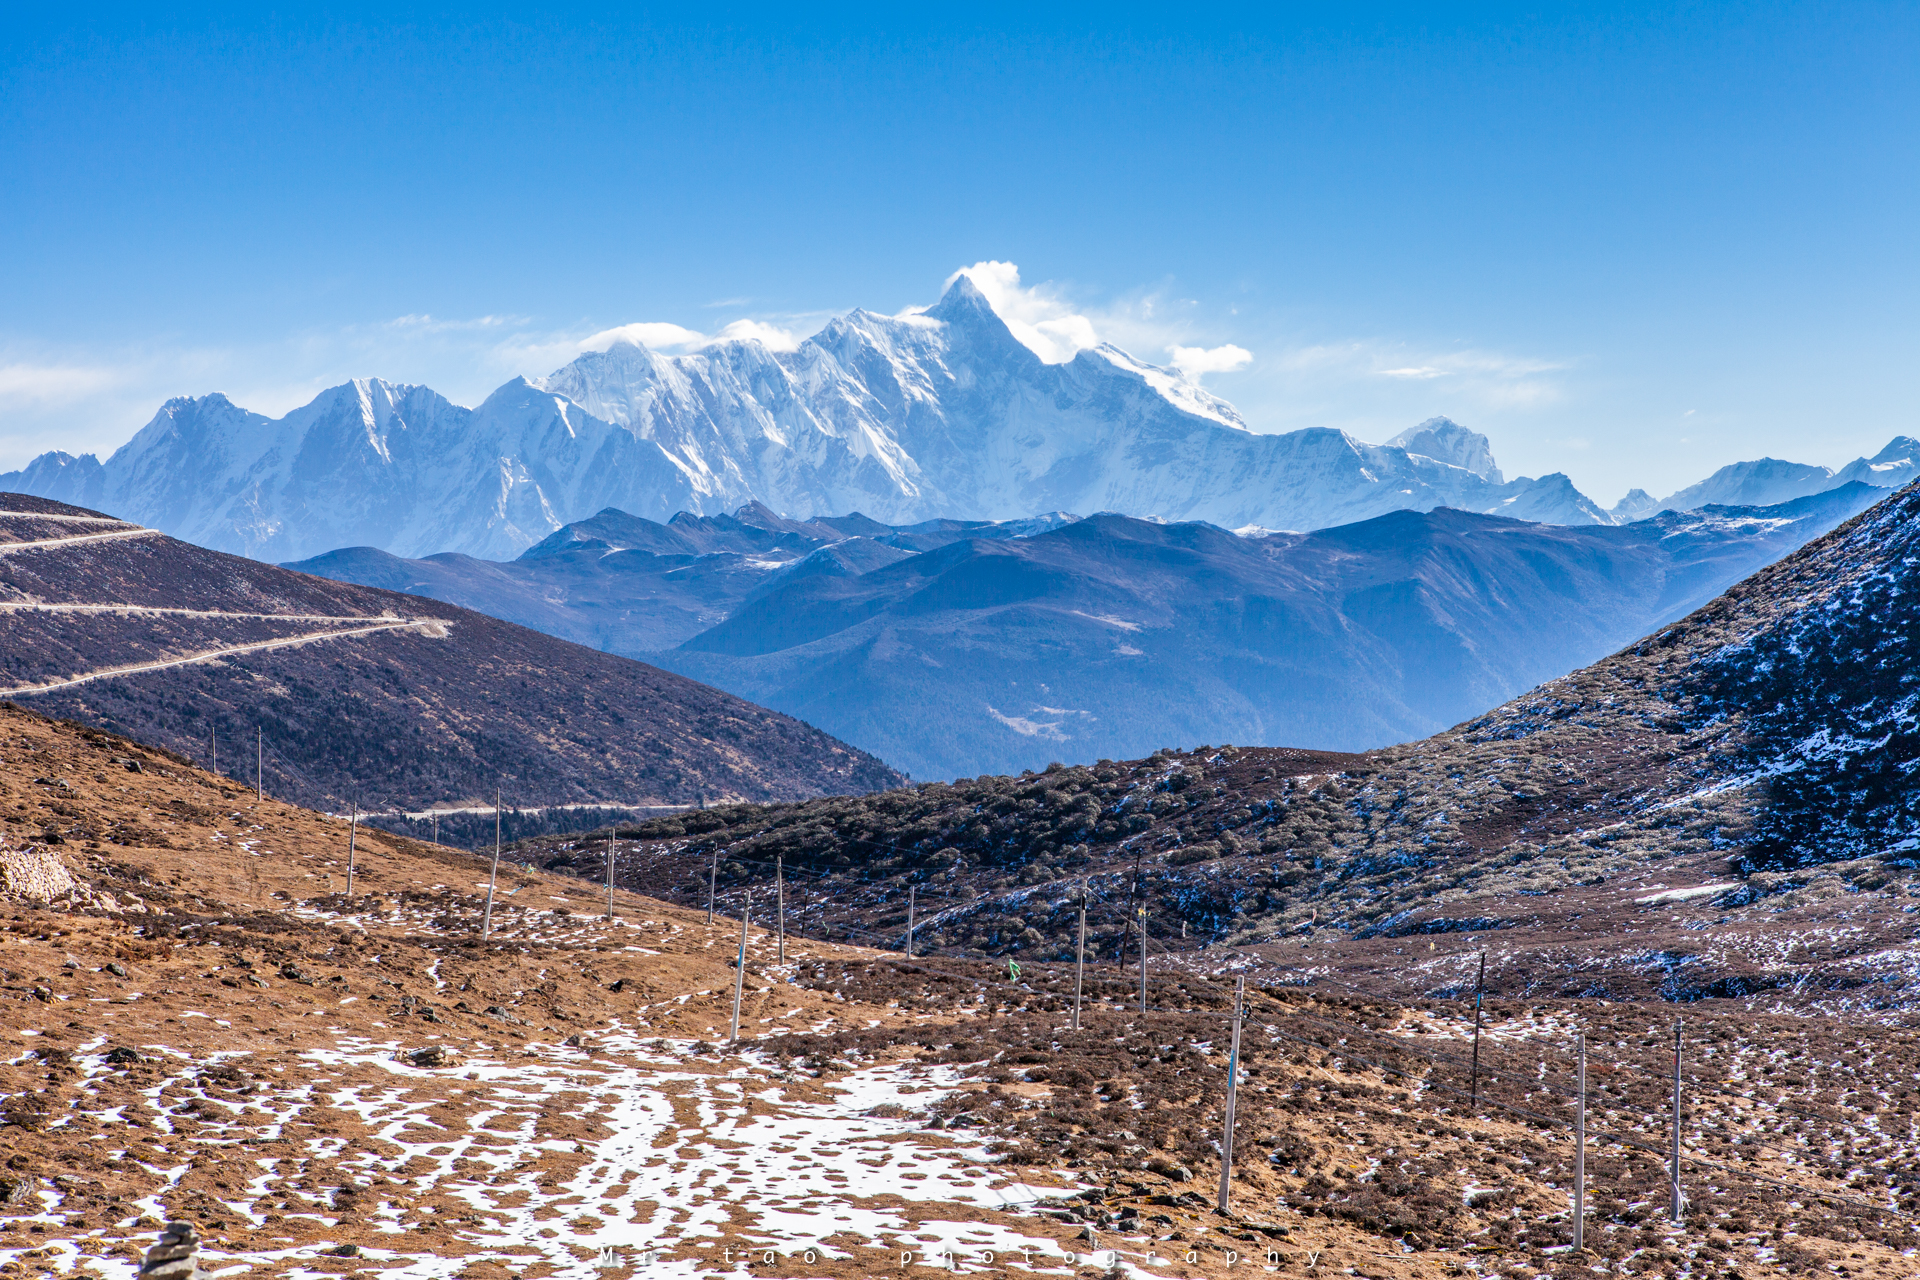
{"x":939,"y":414}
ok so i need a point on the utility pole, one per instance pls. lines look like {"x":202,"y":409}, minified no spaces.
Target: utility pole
{"x":1233,"y":1089}
{"x":1580,"y":1155}
{"x":713,"y":879}
{"x":213,"y":747}
{"x":780,"y":900}
{"x":1080,"y":958}
{"x":910,"y":892}
{"x":1678,"y":1201}
{"x":740,"y":967}
{"x":353,"y":827}
{"x":259,"y":764}
{"x":493,"y":877}
{"x":1143,"y":959}
{"x":1479,"y":993}
{"x":436,"y":826}
{"x":610,"y":877}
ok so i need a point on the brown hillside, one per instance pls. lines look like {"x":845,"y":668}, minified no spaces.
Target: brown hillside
{"x":203,"y":1025}
{"x":402,"y":702}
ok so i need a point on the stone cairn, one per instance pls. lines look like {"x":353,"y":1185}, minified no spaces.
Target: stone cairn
{"x":172,"y":1258}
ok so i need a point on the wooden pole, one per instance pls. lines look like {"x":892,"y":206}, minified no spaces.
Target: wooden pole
{"x":259,"y":764}
{"x":436,"y":826}
{"x":740,"y":967}
{"x":780,"y":899}
{"x":1143,"y":958}
{"x":1233,"y":1089}
{"x":1580,"y":1156}
{"x":1080,"y":959}
{"x":493,"y":876}
{"x":610,"y":878}
{"x":713,"y":879}
{"x":213,"y":748}
{"x":1479,"y":992}
{"x":1677,"y":1201}
{"x":353,"y":827}
{"x":910,"y":893}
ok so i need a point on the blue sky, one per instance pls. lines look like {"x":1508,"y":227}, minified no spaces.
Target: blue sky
{"x":1630,"y":244}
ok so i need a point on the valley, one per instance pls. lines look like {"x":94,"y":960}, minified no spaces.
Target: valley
{"x":1723,"y":808}
{"x":953,"y":649}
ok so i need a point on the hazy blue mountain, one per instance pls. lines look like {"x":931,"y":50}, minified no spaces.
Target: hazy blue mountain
{"x":1769,"y":480}
{"x":949,"y":649}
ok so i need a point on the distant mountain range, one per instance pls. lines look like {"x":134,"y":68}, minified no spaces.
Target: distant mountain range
{"x":1765,"y":481}
{"x":937,"y":414}
{"x":1727,"y":809}
{"x":357,"y":693}
{"x":950,"y":648}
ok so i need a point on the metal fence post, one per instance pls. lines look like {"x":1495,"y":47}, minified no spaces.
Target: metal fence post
{"x":1580,"y":1155}
{"x":1080,"y":959}
{"x":1233,"y":1089}
{"x":740,"y":967}
{"x":1678,"y":1201}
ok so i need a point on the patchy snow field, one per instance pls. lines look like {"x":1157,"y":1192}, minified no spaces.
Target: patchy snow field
{"x":627,"y":1155}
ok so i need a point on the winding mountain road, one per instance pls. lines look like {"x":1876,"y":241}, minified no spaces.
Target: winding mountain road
{"x":207,"y":655}
{"x":43,"y":544}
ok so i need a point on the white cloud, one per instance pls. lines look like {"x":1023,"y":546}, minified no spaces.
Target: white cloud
{"x":1472,"y":378}
{"x":43,"y":383}
{"x":1194,"y":362}
{"x":427,"y":324}
{"x":772,"y":337}
{"x":656,"y":335}
{"x":660,"y":335}
{"x":1043,"y":322}
{"x":1053,"y":329}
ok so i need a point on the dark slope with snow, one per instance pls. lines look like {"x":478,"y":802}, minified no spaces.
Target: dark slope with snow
{"x":1823,"y":680}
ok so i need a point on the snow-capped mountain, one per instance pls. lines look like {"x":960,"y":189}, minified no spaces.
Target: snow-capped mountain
{"x":1765,"y":481}
{"x":1445,"y":440}
{"x":940,"y":414}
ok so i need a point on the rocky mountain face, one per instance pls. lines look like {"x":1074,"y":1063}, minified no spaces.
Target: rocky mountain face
{"x":1726,"y":808}
{"x":952,"y":648}
{"x":935,"y":415}
{"x":397,"y":701}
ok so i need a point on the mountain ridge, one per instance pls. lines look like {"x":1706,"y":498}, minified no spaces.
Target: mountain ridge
{"x":955,"y":648}
{"x":1723,"y":809}
{"x":940,"y":414}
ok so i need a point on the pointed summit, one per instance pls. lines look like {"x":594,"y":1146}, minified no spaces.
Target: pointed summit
{"x":962,"y":300}
{"x":974,"y":323}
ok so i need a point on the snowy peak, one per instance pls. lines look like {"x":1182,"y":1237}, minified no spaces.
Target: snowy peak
{"x":1445,"y":440}
{"x":1637,"y":505}
{"x":1767,"y":481}
{"x":1757,"y":483}
{"x":942,"y":414}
